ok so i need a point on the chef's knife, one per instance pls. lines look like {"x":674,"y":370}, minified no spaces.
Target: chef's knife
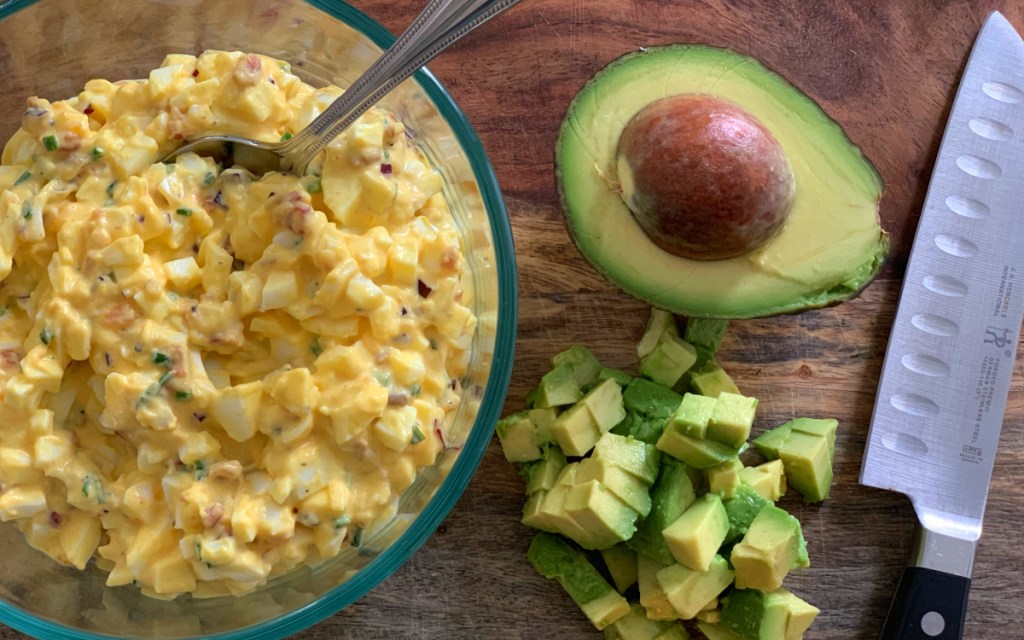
{"x":947,"y":370}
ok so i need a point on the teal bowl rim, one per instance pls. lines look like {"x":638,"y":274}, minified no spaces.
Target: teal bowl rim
{"x":490,"y":408}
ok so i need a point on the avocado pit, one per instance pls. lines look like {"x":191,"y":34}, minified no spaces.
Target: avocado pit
{"x":704,"y":179}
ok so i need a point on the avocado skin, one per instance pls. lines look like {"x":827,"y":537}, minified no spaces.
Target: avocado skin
{"x":660,"y":286}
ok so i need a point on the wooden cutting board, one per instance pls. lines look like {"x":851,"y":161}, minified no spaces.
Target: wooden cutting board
{"x":887,"y":72}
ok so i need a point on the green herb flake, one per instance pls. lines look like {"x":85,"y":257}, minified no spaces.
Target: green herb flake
{"x":112,"y":276}
{"x":417,"y":436}
{"x":159,"y":357}
{"x":23,"y":177}
{"x":313,"y":187}
{"x":432,"y":343}
{"x":287,"y":135}
{"x":97,"y":153}
{"x":199,"y":470}
{"x":342,"y":521}
{"x":46,"y":335}
{"x":51,"y":144}
{"x":315,"y":347}
{"x":110,"y":188}
{"x":184,"y":211}
{"x":382,"y":377}
{"x":357,"y":537}
{"x":92,"y":487}
{"x":26,"y":210}
{"x":184,"y":396}
{"x":165,"y":378}
{"x":414,"y":390}
{"x":209,"y":178}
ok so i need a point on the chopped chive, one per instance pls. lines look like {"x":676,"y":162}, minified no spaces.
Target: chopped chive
{"x":165,"y":378}
{"x":51,"y":144}
{"x":414,"y":390}
{"x":184,"y":211}
{"x":159,"y":357}
{"x":209,"y":178}
{"x":342,"y":521}
{"x":46,"y":335}
{"x":286,"y":136}
{"x":199,"y":552}
{"x":432,"y":343}
{"x":184,"y":396}
{"x":199,"y":470}
{"x":417,"y":436}
{"x":112,"y":276}
{"x":313,"y":187}
{"x":382,"y":378}
{"x":357,"y":537}
{"x":315,"y":347}
{"x":110,"y":188}
{"x":23,"y":177}
{"x":26,"y":210}
{"x":97,"y":153}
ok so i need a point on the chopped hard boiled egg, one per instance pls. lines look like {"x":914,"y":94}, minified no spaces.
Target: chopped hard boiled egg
{"x":208,"y":377}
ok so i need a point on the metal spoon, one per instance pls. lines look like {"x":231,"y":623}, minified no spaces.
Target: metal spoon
{"x":438,"y":26}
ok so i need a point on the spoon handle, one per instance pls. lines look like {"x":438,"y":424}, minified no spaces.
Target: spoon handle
{"x":438,"y":26}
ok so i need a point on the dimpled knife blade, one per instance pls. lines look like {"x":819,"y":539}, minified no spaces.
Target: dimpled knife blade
{"x":942,"y":393}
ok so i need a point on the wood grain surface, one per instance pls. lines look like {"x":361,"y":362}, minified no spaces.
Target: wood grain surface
{"x":886,"y":71}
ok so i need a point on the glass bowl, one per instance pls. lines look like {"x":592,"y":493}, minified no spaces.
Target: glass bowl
{"x":50,"y":48}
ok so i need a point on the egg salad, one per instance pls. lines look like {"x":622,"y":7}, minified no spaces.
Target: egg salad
{"x":210,"y":377}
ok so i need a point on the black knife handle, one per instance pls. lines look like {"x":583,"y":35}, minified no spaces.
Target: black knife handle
{"x":929,"y":605}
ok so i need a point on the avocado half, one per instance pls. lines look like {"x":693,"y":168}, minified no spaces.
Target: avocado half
{"x":831,"y":245}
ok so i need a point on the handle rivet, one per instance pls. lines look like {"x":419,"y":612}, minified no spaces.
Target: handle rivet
{"x":932,"y":623}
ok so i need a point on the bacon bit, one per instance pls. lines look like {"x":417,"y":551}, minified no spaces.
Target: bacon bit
{"x":292,"y":210}
{"x":88,"y":110}
{"x":247,"y":71}
{"x":450,"y":257}
{"x":454,"y":384}
{"x":195,"y":73}
{"x":385,"y":168}
{"x":212,"y":515}
{"x":423,"y":289}
{"x":10,"y":358}
{"x":404,"y":311}
{"x":119,"y":315}
{"x":56,"y":519}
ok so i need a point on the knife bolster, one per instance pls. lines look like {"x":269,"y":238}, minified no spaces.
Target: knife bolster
{"x":942,"y":552}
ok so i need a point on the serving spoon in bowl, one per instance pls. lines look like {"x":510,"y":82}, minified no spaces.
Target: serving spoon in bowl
{"x":439,"y":25}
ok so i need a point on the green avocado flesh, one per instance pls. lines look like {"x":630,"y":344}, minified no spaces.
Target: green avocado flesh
{"x":830,"y":247}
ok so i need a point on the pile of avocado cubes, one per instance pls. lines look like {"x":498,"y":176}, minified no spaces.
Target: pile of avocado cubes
{"x":638,"y":480}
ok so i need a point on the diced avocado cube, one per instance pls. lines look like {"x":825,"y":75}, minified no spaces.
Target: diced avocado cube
{"x":769,"y":442}
{"x":772,"y":546}
{"x":584,"y":365}
{"x":605,"y":404}
{"x":660,"y":324}
{"x":532,"y":515}
{"x":710,"y":613}
{"x":639,"y":458}
{"x":824,"y":427}
{"x":731,"y":419}
{"x":695,"y":536}
{"x":756,"y":615}
{"x":635,"y":625}
{"x":650,"y":399}
{"x":621,"y":563}
{"x":544,"y":423}
{"x":542,"y":474}
{"x":724,"y":478}
{"x":641,"y":427}
{"x":693,"y":414}
{"x":550,"y":514}
{"x":767,"y":479}
{"x":652,"y":596}
{"x":712,"y":380}
{"x":705,"y":332}
{"x":626,"y":486}
{"x":516,"y":433}
{"x":532,"y":396}
{"x":675,"y":632}
{"x":699,"y":454}
{"x":617,"y":375}
{"x":807,"y":464}
{"x":556,"y":558}
{"x":742,"y":508}
{"x":671,"y":495}
{"x":669,"y":360}
{"x":558,"y":388}
{"x":603,"y":515}
{"x":716,"y":632}
{"x":689,"y":591}
{"x":575,"y":430}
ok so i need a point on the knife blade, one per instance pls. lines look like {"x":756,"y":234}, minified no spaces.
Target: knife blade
{"x":946,"y":375}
